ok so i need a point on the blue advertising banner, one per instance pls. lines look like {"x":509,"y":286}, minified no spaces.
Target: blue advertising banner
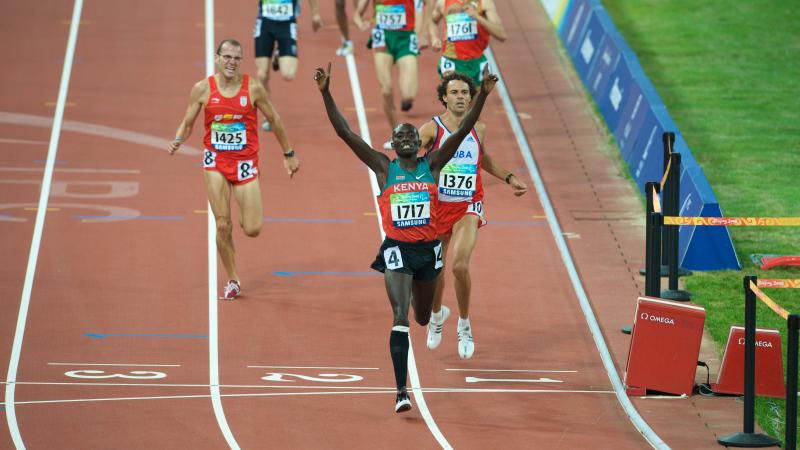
{"x":636,"y":116}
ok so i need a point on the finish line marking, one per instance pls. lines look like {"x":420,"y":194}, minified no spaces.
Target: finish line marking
{"x":111,"y":365}
{"x":292,"y":394}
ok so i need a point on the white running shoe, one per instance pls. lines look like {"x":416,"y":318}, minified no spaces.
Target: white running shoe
{"x":402,"y":403}
{"x":345,"y":49}
{"x":266,"y":126}
{"x":466,"y":347}
{"x":435,"y":329}
{"x":387,"y":145}
{"x":232,"y":290}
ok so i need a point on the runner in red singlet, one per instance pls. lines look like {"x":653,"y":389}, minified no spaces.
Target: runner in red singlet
{"x":460,"y":201}
{"x":230,"y":158}
{"x":410,"y":256}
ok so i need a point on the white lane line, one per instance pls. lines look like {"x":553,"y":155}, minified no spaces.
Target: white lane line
{"x":512,"y":370}
{"x":33,"y":256}
{"x":597,"y":335}
{"x":65,"y":170}
{"x":363,"y":126}
{"x":141,"y":140}
{"x":213,"y":331}
{"x":113,"y":365}
{"x":388,"y":390}
{"x":312,"y":367}
{"x":510,"y":380}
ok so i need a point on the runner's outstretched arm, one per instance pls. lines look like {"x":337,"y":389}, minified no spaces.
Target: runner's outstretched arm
{"x":378,"y":162}
{"x":438,"y":159}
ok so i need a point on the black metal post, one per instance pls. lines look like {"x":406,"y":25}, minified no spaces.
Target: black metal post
{"x":668,"y":141}
{"x":672,"y":208}
{"x":650,"y":261}
{"x":655,"y":221}
{"x":748,"y":438}
{"x":790,"y":434}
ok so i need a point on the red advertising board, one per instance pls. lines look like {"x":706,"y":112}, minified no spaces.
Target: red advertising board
{"x":769,"y":364}
{"x":665,"y":344}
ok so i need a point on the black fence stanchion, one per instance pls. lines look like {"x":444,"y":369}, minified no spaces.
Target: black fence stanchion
{"x":668,"y":142}
{"x":652,"y":281}
{"x":649,"y":188}
{"x":672,"y":196}
{"x":748,"y":437}
{"x":790,"y":434}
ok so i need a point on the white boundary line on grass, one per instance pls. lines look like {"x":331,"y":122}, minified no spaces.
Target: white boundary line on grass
{"x":637,"y":420}
{"x":416,"y":388}
{"x":33,"y":256}
{"x":213,"y":331}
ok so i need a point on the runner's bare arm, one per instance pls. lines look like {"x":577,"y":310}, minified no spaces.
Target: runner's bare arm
{"x":197,"y":99}
{"x":378,"y":162}
{"x":259,"y":98}
{"x":439,"y":158}
{"x":316,"y":19}
{"x":427,"y":134}
{"x":434,"y":16}
{"x":488,"y":18}
{"x":421,"y":26}
{"x":358,"y":17}
{"x":517,"y":186}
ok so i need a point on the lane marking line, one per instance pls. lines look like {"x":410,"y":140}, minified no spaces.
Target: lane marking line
{"x":213,"y":330}
{"x":413,"y":373}
{"x":577,"y":285}
{"x":313,"y":367}
{"x":285,"y":386}
{"x":109,"y":365}
{"x":513,"y":370}
{"x":509,"y":380}
{"x":33,"y":256}
{"x":293,"y":394}
{"x":158,"y":335}
{"x":63,"y":170}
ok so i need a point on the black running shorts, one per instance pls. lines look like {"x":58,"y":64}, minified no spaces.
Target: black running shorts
{"x":268,"y":32}
{"x":423,"y":260}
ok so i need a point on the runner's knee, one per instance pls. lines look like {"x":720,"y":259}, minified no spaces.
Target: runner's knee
{"x":224,"y":227}
{"x":460,"y":269}
{"x":251,"y":230}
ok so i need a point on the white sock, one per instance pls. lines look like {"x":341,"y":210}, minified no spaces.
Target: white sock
{"x":463,"y":323}
{"x":400,"y":328}
{"x":437,"y":316}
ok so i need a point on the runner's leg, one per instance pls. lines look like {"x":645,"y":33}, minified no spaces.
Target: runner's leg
{"x":219,"y":193}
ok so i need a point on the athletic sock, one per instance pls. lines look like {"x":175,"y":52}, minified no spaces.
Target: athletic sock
{"x":398,"y":347}
{"x":436,"y":316}
{"x":463,"y":323}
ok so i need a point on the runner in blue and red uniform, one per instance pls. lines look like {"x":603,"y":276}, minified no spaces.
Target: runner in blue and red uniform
{"x":461,"y":208}
{"x":410,"y":256}
{"x":230,"y":158}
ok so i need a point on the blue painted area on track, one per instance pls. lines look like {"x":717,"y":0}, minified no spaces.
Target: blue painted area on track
{"x":158,"y":335}
{"x":336,"y":274}
{"x":172,"y":218}
{"x":293,"y":219}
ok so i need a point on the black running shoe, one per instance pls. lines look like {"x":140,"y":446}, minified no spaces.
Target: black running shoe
{"x":403,"y":403}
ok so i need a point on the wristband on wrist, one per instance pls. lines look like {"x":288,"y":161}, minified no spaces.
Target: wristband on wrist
{"x":288,"y":154}
{"x":508,"y":177}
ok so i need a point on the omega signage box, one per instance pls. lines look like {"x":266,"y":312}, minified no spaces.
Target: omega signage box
{"x":769,"y":364}
{"x":665,"y":344}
